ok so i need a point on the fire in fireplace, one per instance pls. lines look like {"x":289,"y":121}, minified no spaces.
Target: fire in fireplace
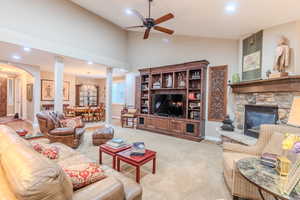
{"x":256,"y":115}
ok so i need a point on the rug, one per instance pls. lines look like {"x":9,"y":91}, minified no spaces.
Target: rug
{"x":186,"y":170}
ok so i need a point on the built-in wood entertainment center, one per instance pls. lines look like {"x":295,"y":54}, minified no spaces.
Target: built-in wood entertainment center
{"x":183,"y":87}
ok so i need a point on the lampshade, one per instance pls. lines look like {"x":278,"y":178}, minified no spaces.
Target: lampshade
{"x":294,"y":116}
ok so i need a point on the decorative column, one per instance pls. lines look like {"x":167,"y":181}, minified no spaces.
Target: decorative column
{"x":36,"y":96}
{"x":108,"y":101}
{"x":130,"y":89}
{"x":58,"y":84}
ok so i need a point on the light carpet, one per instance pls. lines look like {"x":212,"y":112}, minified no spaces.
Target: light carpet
{"x":186,"y":170}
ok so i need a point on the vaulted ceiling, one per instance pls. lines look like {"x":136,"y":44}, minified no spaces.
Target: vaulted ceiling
{"x":206,"y":18}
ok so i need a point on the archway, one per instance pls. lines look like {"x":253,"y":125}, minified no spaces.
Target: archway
{"x":23,"y":90}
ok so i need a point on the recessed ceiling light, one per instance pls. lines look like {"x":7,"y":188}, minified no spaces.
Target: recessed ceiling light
{"x":231,"y":7}
{"x":27,"y":49}
{"x":90,"y":62}
{"x":128,"y":11}
{"x":16,"y":57}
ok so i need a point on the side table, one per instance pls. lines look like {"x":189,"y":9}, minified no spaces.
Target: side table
{"x":137,"y":161}
{"x":264,"y":178}
{"x":111,"y":151}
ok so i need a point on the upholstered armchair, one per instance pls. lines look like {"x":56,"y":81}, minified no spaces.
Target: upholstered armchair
{"x":238,"y":185}
{"x":49,"y":123}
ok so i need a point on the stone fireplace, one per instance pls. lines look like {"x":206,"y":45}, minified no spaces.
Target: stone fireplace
{"x":264,"y":96}
{"x":256,"y":115}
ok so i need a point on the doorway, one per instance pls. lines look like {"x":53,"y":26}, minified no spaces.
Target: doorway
{"x":3,"y":96}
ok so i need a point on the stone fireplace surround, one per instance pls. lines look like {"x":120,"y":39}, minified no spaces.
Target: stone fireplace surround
{"x":282,"y":100}
{"x":277,"y":92}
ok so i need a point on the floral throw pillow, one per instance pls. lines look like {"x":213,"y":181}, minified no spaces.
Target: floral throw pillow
{"x":71,"y":123}
{"x":84,"y":174}
{"x":50,"y":152}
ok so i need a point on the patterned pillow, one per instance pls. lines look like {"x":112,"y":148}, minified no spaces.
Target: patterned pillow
{"x":49,"y":151}
{"x":84,"y":174}
{"x":71,"y":122}
{"x":38,"y":147}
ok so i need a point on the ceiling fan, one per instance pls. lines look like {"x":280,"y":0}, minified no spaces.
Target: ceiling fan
{"x":150,"y":23}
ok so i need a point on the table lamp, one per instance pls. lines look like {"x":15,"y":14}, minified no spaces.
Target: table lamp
{"x":294,"y":116}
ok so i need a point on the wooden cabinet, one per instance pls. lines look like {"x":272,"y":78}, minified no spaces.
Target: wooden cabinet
{"x":177,"y":126}
{"x":187,"y":80}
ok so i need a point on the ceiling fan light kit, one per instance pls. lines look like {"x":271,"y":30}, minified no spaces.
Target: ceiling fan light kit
{"x":150,"y":23}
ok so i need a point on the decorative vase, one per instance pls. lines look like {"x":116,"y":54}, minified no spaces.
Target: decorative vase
{"x":236,"y":78}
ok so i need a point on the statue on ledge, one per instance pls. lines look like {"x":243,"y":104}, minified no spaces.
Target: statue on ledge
{"x":282,"y":56}
{"x":227,"y":124}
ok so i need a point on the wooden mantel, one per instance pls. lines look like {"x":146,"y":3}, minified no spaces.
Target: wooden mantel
{"x":285,"y":84}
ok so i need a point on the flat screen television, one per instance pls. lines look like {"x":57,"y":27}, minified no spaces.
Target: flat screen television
{"x":169,"y":105}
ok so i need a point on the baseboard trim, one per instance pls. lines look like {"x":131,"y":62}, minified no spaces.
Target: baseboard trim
{"x":212,"y":138}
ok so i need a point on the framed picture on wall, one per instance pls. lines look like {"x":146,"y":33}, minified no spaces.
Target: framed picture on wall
{"x":252,"y":57}
{"x":29,"y":89}
{"x":48,"y":92}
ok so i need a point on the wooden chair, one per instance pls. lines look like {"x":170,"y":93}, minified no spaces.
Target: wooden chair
{"x":70,"y":112}
{"x":128,"y":115}
{"x":87,"y":115}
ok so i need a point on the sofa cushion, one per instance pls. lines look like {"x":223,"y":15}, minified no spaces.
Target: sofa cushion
{"x":73,"y":160}
{"x":34,"y":177}
{"x":5,"y":191}
{"x":65,"y":152}
{"x":71,"y":122}
{"x":9,"y":137}
{"x":84,"y":174}
{"x":274,"y":145}
{"x":107,"y":189}
{"x":132,"y":190}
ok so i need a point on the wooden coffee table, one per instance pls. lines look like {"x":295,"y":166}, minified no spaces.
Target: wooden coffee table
{"x":137,"y":161}
{"x":111,"y":151}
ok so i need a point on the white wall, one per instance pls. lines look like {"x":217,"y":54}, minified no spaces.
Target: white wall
{"x":62,"y":27}
{"x":270,"y":38}
{"x":155,"y":52}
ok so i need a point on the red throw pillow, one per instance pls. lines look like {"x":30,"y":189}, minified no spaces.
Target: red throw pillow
{"x":71,"y":122}
{"x":49,"y":151}
{"x":39,"y":148}
{"x":84,"y":174}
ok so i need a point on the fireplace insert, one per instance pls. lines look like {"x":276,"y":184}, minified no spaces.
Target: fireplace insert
{"x":256,"y":115}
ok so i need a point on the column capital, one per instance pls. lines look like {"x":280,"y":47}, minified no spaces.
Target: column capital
{"x":59,"y":59}
{"x":109,"y":69}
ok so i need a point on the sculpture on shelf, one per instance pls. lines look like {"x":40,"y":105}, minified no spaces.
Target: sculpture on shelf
{"x":227,"y":124}
{"x":169,"y":81}
{"x":282,"y":58}
{"x":181,"y":82}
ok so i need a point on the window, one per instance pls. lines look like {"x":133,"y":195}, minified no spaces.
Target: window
{"x":118,"y":93}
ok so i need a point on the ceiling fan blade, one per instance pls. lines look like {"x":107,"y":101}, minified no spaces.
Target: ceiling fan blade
{"x":131,"y":27}
{"x":165,"y":30}
{"x":139,"y":15}
{"x":164,"y":18}
{"x":147,"y":32}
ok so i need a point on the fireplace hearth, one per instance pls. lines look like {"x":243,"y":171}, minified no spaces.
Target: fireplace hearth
{"x":256,"y":115}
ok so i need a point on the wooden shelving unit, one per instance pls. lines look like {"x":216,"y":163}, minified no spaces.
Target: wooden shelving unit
{"x":188,"y":79}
